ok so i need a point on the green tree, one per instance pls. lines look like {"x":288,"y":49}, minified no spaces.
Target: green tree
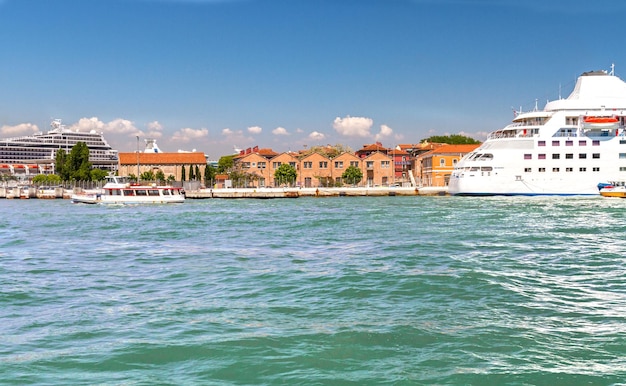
{"x":197,"y":173}
{"x":40,"y":179}
{"x":98,"y":174}
{"x":60,"y":161}
{"x":148,"y":175}
{"x":285,"y":174}
{"x":454,"y":139}
{"x":160,"y":176}
{"x":209,"y":174}
{"x":78,"y":163}
{"x":191,"y":175}
{"x":352,"y":175}
{"x":225,"y":164}
{"x":183,"y":173}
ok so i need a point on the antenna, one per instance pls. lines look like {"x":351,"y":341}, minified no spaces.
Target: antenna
{"x":612,"y":69}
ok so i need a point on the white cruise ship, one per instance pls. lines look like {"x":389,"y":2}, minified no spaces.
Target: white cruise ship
{"x":567,"y":149}
{"x":36,"y":153}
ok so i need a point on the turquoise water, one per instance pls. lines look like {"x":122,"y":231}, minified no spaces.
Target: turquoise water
{"x":332,"y":291}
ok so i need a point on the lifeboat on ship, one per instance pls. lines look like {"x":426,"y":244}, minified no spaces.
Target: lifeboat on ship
{"x":600,"y":122}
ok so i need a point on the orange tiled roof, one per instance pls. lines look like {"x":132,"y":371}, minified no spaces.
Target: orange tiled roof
{"x":454,"y":149}
{"x":162,"y":158}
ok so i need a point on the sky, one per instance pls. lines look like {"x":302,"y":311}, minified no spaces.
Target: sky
{"x":211,"y":75}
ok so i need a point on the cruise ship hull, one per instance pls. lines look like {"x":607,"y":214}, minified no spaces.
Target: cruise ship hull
{"x":565,"y":149}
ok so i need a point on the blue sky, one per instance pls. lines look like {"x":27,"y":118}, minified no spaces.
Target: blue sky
{"x":212,"y":74}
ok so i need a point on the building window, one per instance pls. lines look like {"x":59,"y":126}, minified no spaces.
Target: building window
{"x":556,"y":156}
{"x":276,"y":165}
{"x":323,"y":164}
{"x":442,"y":162}
{"x":307,"y":164}
{"x":385,"y":164}
{"x":293,"y":164}
{"x":338,"y":164}
{"x":261,"y":165}
{"x":354,"y":163}
{"x":369,"y":164}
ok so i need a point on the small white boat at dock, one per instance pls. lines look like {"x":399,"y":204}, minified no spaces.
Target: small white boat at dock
{"x":119,"y":190}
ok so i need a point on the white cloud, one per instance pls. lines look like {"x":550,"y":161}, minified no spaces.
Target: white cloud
{"x":255,"y":130}
{"x":317,"y":135}
{"x":21,"y":129}
{"x":227,"y":131}
{"x":353,"y":126}
{"x":280,"y":131}
{"x":385,"y":131}
{"x":188,"y":134}
{"x":116,"y":126}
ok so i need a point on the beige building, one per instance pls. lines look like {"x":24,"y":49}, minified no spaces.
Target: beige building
{"x":169,"y":163}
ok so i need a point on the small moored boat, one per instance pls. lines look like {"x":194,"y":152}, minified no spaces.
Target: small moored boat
{"x":613,"y":189}
{"x":118,"y":190}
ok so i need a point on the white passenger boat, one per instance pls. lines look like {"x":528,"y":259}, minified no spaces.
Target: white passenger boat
{"x":120,"y":191}
{"x":613,"y":189}
{"x":564,"y":149}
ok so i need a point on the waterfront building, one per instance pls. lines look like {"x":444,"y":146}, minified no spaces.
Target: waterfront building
{"x":433,"y":168}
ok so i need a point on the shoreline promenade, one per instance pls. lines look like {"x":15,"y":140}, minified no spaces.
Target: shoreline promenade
{"x":261,"y":193}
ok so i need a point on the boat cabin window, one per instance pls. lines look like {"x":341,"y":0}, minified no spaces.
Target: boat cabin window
{"x":153,"y":192}
{"x":115,"y":192}
{"x":129,"y":192}
{"x":166,"y":192}
{"x":141,"y":192}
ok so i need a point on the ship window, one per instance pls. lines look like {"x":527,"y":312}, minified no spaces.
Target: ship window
{"x":528,"y":170}
{"x":622,"y":141}
{"x":486,"y":168}
{"x":556,"y":156}
{"x":555,"y":143}
{"x":569,"y":143}
{"x":542,"y":170}
{"x":569,"y":169}
{"x":622,"y":169}
{"x":582,"y":169}
{"x":166,"y":192}
{"x":556,"y":170}
{"x":141,"y":192}
{"x":595,"y":143}
{"x":528,"y":156}
{"x":595,"y":156}
{"x":153,"y":192}
{"x":541,"y":156}
{"x":569,"y":156}
{"x":596,"y":169}
{"x":129,"y":192}
{"x":582,"y":155}
{"x":622,"y":155}
{"x":541,"y":143}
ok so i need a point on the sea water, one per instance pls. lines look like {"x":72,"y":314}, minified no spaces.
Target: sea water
{"x":326,"y":291}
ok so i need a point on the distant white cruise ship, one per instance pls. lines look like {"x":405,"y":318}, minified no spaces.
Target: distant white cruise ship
{"x":567,"y":149}
{"x":37,"y":152}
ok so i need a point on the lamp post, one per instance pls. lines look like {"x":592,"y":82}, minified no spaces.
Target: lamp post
{"x":137,"y":158}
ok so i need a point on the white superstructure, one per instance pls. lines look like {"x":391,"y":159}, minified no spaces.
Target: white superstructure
{"x":566,"y":149}
{"x":40,"y":149}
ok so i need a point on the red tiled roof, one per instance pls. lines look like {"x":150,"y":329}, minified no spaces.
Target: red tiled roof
{"x":162,"y":158}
